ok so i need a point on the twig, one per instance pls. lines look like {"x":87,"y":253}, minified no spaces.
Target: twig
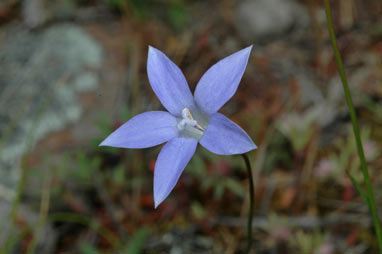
{"x":306,"y":222}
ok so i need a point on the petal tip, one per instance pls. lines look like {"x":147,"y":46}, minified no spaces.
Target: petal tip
{"x":108,"y":141}
{"x":103,"y":143}
{"x":157,"y":201}
{"x":247,"y":51}
{"x":158,"y":194}
{"x":254,"y":147}
{"x":152,"y":50}
{"x":251,"y":146}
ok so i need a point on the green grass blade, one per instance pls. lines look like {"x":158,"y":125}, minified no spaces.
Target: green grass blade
{"x":353,"y":116}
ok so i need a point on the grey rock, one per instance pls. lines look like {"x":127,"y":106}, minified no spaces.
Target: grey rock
{"x":287,"y":64}
{"x":37,"y":12}
{"x":259,"y":20}
{"x":41,"y":75}
{"x":33,"y":12}
{"x":309,"y":91}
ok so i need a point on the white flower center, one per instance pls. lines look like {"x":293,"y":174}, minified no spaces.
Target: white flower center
{"x":191,"y":126}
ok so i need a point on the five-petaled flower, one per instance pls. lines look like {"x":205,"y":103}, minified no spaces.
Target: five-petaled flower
{"x":189,"y":120}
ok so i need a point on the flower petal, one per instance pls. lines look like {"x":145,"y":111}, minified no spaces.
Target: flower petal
{"x":224,"y":137}
{"x":144,"y":130}
{"x":168,"y":82}
{"x":171,"y":161}
{"x":220,"y":82}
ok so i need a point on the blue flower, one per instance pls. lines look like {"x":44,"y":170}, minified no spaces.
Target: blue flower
{"x":190,"y":119}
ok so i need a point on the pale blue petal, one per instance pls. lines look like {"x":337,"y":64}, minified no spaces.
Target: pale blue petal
{"x":220,"y":82}
{"x":144,"y":130}
{"x":168,"y":82}
{"x":224,"y":137}
{"x":171,"y":161}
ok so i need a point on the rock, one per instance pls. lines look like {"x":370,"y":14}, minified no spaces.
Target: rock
{"x":33,"y":13}
{"x":288,"y":65}
{"x":259,"y":20}
{"x":41,"y":76}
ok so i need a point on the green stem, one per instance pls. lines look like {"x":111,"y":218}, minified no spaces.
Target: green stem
{"x":251,"y":202}
{"x":365,"y":172}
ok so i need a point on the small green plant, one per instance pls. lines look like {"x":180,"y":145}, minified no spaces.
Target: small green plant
{"x":218,"y":182}
{"x":308,"y":242}
{"x":299,"y":128}
{"x":346,"y":160}
{"x":85,"y":166}
{"x":137,"y":242}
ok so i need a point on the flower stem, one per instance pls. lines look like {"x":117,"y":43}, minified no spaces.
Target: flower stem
{"x":251,"y":202}
{"x":365,"y":172}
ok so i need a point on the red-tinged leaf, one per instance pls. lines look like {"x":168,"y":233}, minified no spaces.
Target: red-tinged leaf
{"x":351,"y":239}
{"x":331,"y":69}
{"x":348,"y":192}
{"x":223,"y":167}
{"x":75,"y":204}
{"x":202,"y":41}
{"x":378,"y":47}
{"x":287,"y":197}
{"x":147,"y":200}
{"x":152,"y":166}
{"x":117,"y":124}
{"x":169,"y":209}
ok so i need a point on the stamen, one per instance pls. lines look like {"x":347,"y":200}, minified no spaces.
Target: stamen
{"x":189,"y":119}
{"x":199,"y":127}
{"x":188,"y":113}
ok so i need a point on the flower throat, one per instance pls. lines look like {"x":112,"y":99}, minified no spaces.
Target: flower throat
{"x":193,"y":124}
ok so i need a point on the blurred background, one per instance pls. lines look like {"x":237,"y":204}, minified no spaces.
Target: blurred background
{"x":72,"y":71}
